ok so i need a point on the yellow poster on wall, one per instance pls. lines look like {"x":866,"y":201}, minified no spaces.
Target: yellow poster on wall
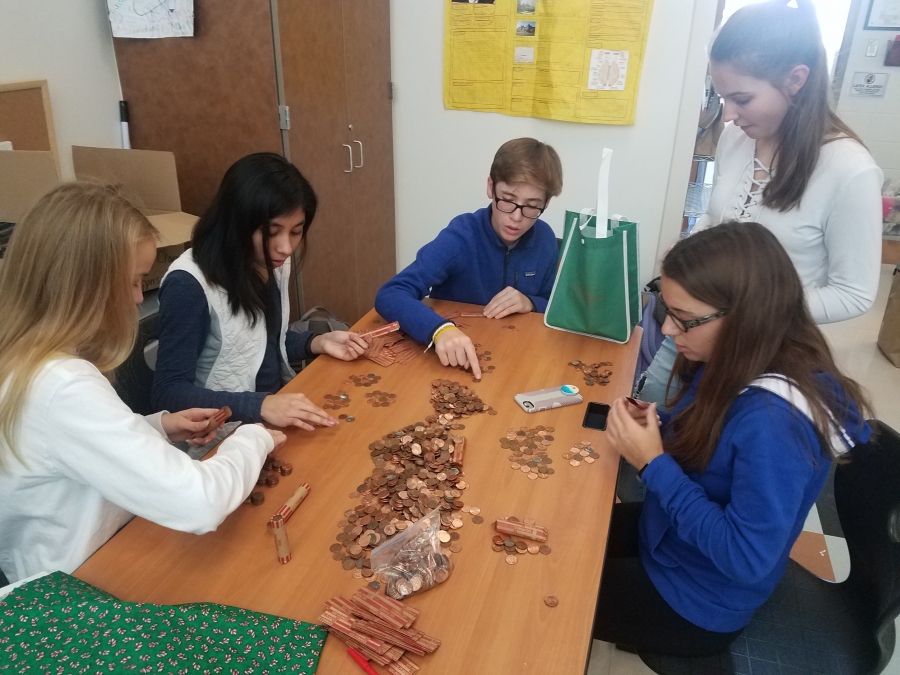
{"x":571,"y":60}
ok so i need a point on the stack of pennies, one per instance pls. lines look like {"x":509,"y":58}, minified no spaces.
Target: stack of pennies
{"x":451,"y":400}
{"x":380,"y":399}
{"x":268,"y":477}
{"x":414,"y":474}
{"x":594,"y":373}
{"x":363,"y":380}
{"x":581,"y":452}
{"x":336,"y":401}
{"x":529,"y":450}
{"x":513,"y":547}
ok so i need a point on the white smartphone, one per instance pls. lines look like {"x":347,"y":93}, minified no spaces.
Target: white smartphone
{"x":545,"y":399}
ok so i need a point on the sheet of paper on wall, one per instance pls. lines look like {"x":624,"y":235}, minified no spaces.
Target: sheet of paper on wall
{"x":608,"y":70}
{"x":151,"y":18}
{"x":571,"y":60}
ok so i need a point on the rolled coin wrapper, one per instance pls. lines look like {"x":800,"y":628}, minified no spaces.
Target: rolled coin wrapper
{"x":220,"y":416}
{"x":384,"y":330}
{"x":290,"y":505}
{"x":533,"y":532}
{"x":459,"y":450}
{"x":282,"y":547}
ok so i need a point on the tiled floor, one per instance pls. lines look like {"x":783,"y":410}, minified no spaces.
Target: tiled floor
{"x":853,"y":343}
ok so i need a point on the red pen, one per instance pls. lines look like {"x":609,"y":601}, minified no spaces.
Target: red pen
{"x":361,"y":661}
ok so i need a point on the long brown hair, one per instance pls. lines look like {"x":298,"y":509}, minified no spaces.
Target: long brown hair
{"x":766,"y":41}
{"x":65,"y":289}
{"x":743,"y":269}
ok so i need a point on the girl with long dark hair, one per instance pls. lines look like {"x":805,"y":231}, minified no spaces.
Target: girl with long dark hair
{"x":224,"y":337}
{"x":788,"y":162}
{"x":733,"y":471}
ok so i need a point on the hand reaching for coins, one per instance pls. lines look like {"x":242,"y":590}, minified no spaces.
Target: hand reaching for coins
{"x":455,"y":348}
{"x":294,"y":410}
{"x":506,"y":302}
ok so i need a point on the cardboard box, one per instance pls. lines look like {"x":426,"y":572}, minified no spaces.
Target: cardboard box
{"x":150,"y":180}
{"x":25,"y":176}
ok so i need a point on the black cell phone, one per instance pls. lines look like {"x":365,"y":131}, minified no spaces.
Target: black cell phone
{"x":595,"y":416}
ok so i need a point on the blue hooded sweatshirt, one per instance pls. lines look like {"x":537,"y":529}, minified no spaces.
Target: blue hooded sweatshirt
{"x":716,"y":543}
{"x":468,"y":262}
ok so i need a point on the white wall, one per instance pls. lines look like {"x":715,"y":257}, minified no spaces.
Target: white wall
{"x":69,"y":44}
{"x":442,"y":157}
{"x":876,"y":120}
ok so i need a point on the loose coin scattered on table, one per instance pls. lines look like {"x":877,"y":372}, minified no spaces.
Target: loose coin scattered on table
{"x":363,"y":380}
{"x":482,"y":357}
{"x":529,"y":450}
{"x":380,"y":399}
{"x":336,"y":401}
{"x":594,"y":373}
{"x":581,"y":452}
{"x":551,"y":601}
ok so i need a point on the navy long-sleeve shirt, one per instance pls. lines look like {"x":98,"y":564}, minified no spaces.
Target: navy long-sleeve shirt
{"x":468,"y":262}
{"x":184,"y":325}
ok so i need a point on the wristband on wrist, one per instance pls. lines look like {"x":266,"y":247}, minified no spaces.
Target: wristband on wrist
{"x":441,"y":329}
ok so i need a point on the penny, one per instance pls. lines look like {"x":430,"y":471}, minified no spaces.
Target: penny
{"x":477,"y":520}
{"x":574,"y":462}
{"x":534,"y":549}
{"x":474,"y":510}
{"x":257,"y":498}
{"x":497,"y":539}
{"x":512,"y":559}
{"x":589,"y":460}
{"x":551,"y":601}
{"x":456,"y":547}
{"x":444,"y":536}
{"x":532,"y":476}
{"x":456,"y":523}
{"x":357,"y":574}
{"x":545,"y":549}
{"x":497,"y":547}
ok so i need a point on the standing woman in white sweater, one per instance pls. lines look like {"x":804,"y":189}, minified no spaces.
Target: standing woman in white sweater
{"x":75,"y":463}
{"x":787,"y":161}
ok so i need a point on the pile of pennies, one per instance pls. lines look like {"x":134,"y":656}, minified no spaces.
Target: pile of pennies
{"x":363,"y":380}
{"x":336,"y":401}
{"x":269,"y":477}
{"x":511,"y":535}
{"x":379,"y":399}
{"x":529,"y":450}
{"x":581,"y":452}
{"x":451,"y":400}
{"x":594,"y":373}
{"x":417,"y":469}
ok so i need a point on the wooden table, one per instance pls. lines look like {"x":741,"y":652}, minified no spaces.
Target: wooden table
{"x":490,"y":616}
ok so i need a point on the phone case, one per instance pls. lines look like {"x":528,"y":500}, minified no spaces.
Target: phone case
{"x":545,"y":399}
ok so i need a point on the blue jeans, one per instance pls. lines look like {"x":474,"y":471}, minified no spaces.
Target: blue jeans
{"x":653,"y":389}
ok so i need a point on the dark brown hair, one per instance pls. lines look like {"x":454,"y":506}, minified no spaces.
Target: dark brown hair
{"x":525,"y":160}
{"x":743,"y":269}
{"x":766,"y":41}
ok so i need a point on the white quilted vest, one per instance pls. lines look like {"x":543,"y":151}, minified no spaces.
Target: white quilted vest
{"x":243,"y":344}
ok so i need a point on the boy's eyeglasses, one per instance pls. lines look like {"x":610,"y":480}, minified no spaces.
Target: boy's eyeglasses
{"x":684,"y":325}
{"x":530,"y":212}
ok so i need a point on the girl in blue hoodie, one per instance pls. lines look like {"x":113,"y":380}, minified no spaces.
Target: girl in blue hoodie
{"x":732,"y":472}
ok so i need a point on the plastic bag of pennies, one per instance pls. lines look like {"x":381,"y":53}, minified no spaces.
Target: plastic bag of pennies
{"x":413,"y":561}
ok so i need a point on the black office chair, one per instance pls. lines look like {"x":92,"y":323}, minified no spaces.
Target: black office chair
{"x":815,"y":626}
{"x":133,"y":380}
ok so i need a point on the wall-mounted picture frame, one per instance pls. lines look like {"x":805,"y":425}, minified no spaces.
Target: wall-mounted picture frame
{"x":883,"y":15}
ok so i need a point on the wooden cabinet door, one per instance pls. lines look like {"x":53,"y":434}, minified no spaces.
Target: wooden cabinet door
{"x":367,"y":58}
{"x":210,"y":99}
{"x":312,"y":56}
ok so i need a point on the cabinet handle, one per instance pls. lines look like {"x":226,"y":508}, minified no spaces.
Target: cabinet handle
{"x":360,"y":155}
{"x":350,"y":150}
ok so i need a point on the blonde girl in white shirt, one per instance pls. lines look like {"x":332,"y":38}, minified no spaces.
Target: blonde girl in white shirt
{"x":788,"y":162}
{"x":75,"y":462}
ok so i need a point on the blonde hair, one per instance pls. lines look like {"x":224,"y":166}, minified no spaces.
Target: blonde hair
{"x":526,"y":160}
{"x":66,"y":288}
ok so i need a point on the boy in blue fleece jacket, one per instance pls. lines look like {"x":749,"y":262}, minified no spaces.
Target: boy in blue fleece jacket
{"x":501,"y":256}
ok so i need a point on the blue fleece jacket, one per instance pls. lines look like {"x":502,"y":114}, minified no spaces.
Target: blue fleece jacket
{"x":715,"y":544}
{"x":468,"y":262}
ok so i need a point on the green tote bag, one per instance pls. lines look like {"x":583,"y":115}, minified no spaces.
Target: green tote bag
{"x":596,"y":292}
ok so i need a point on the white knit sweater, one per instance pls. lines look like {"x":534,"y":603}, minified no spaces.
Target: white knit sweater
{"x":86,"y":464}
{"x":833,"y":237}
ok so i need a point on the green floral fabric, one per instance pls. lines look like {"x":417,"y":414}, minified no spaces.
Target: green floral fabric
{"x":59,"y":624}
